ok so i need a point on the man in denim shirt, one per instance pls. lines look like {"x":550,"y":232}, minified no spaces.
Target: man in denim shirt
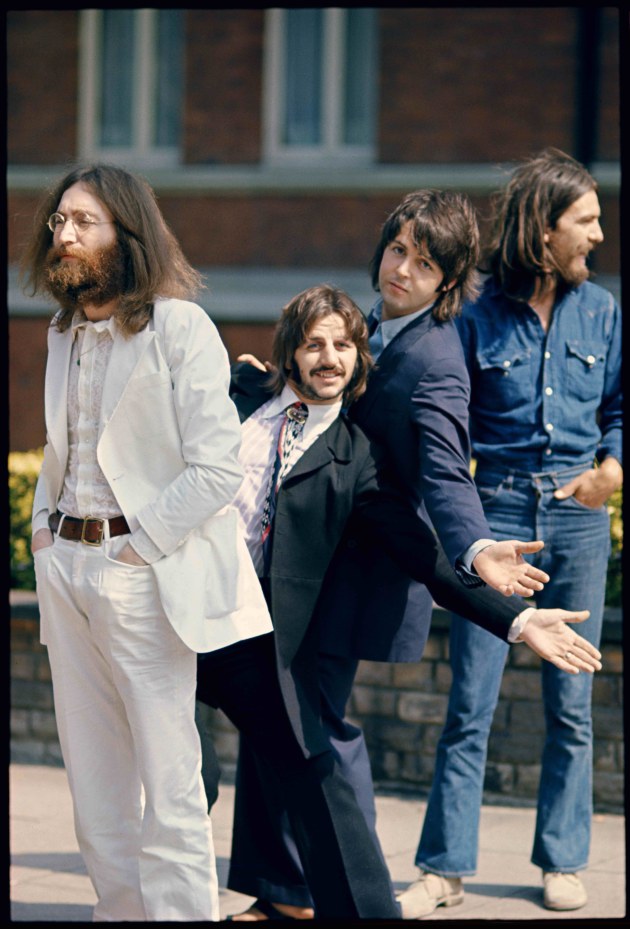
{"x":543,"y":347}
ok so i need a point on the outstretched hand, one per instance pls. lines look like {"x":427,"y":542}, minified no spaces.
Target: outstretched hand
{"x":502,"y":566}
{"x":547,"y":633}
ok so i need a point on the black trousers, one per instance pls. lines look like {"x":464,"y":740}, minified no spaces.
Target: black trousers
{"x":265,"y":861}
{"x":344,"y":869}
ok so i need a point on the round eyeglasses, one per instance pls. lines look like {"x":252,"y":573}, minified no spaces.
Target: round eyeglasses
{"x":81,"y":222}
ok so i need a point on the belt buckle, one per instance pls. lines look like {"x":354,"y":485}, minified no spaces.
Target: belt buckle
{"x":93,"y":519}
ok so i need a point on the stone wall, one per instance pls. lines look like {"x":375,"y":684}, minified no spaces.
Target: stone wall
{"x":400,"y":707}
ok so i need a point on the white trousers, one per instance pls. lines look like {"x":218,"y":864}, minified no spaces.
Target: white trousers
{"x":124,"y":688}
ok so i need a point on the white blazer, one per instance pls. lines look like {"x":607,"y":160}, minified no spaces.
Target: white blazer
{"x":168,"y":443}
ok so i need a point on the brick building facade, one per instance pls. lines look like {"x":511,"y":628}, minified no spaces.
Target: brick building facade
{"x":459,"y":95}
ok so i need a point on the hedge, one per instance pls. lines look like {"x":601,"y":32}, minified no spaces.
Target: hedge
{"x":24,"y":468}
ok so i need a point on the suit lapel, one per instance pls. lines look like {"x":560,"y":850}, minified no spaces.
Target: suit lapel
{"x":389,"y":360}
{"x":56,"y":391}
{"x":333,"y":445}
{"x":125,"y":356}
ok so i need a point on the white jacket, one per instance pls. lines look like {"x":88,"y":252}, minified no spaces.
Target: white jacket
{"x":168,"y":443}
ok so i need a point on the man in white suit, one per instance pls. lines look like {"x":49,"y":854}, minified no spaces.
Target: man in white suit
{"x":138,"y":558}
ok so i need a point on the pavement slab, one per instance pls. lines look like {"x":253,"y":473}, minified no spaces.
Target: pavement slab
{"x":48,"y":881}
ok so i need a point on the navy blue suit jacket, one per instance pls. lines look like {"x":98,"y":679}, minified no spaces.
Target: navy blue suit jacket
{"x":415,"y":409}
{"x":329,"y":499}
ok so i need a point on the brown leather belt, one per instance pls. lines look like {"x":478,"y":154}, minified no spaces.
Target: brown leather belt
{"x":90,"y":530}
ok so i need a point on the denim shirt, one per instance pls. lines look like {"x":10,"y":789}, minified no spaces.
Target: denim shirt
{"x":543,"y":401}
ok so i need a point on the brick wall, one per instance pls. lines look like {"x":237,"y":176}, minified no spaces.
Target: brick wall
{"x":222,"y":116}
{"x":442,"y":67}
{"x":42,"y":76}
{"x":400,"y":707}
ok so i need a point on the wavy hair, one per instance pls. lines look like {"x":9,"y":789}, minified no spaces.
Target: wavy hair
{"x":540,"y":190}
{"x":445,"y":223}
{"x":296,"y":321}
{"x":153,"y":260}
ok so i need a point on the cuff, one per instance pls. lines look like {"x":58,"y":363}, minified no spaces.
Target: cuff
{"x":142,"y":544}
{"x":39,"y":521}
{"x":517,"y":627}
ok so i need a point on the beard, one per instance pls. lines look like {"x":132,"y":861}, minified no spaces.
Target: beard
{"x":573,"y":277}
{"x":92,"y":279}
{"x":570,"y":272}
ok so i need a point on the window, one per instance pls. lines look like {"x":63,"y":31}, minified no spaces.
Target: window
{"x":320,"y":84}
{"x":131,"y":85}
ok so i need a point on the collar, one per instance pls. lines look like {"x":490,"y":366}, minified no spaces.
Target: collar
{"x":391,"y":327}
{"x":324,"y":413}
{"x":80,"y":321}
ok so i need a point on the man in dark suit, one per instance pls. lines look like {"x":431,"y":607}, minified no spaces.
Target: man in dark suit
{"x":329,"y":486}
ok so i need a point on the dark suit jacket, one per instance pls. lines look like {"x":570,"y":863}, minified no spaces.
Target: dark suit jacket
{"x":415,"y":409}
{"x":332,"y":490}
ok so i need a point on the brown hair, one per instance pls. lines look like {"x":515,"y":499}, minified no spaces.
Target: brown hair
{"x":154,"y":262}
{"x":540,"y":190}
{"x":444,"y":222}
{"x":295,"y":323}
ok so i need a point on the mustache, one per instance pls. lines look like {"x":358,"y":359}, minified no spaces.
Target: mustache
{"x":332,"y":369}
{"x":57,"y":252}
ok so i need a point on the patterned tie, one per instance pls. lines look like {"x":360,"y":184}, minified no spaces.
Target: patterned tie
{"x":290,"y":432}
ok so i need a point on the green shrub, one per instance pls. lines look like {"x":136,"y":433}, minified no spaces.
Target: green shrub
{"x":24,"y":468}
{"x":614,"y":580}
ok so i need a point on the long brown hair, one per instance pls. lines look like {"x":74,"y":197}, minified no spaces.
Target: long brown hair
{"x":297,"y":320}
{"x":540,"y":190}
{"x":154,"y":263}
{"x":444,"y":222}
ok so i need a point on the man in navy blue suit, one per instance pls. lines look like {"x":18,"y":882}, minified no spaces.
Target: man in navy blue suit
{"x":415,"y":406}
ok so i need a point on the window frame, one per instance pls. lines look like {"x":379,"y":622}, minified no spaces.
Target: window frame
{"x":142,"y":152}
{"x":332,"y":149}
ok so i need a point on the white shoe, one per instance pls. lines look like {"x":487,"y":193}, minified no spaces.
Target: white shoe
{"x":563,"y":891}
{"x":429,"y":892}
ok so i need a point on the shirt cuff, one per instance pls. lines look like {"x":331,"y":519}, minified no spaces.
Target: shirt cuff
{"x":516,"y":629}
{"x":144,"y":546}
{"x":472,"y":551}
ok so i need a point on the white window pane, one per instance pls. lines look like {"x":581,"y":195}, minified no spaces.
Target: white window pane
{"x":303,"y":50}
{"x":116,"y":104}
{"x":360,"y":77}
{"x":169,"y":77}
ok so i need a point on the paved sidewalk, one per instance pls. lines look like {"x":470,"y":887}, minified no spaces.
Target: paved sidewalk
{"x":49,"y":883}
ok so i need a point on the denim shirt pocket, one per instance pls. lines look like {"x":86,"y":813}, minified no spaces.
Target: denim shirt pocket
{"x":585,"y":366}
{"x":506,"y":377}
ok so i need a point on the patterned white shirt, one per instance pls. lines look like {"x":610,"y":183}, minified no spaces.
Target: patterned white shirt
{"x":259,"y":438}
{"x":85,"y":489}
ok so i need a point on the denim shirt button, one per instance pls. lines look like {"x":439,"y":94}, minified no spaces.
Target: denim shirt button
{"x":549,"y":391}
{"x":549,"y":427}
{"x":547,"y":354}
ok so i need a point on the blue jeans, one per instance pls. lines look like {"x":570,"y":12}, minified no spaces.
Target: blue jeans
{"x":577,"y":547}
